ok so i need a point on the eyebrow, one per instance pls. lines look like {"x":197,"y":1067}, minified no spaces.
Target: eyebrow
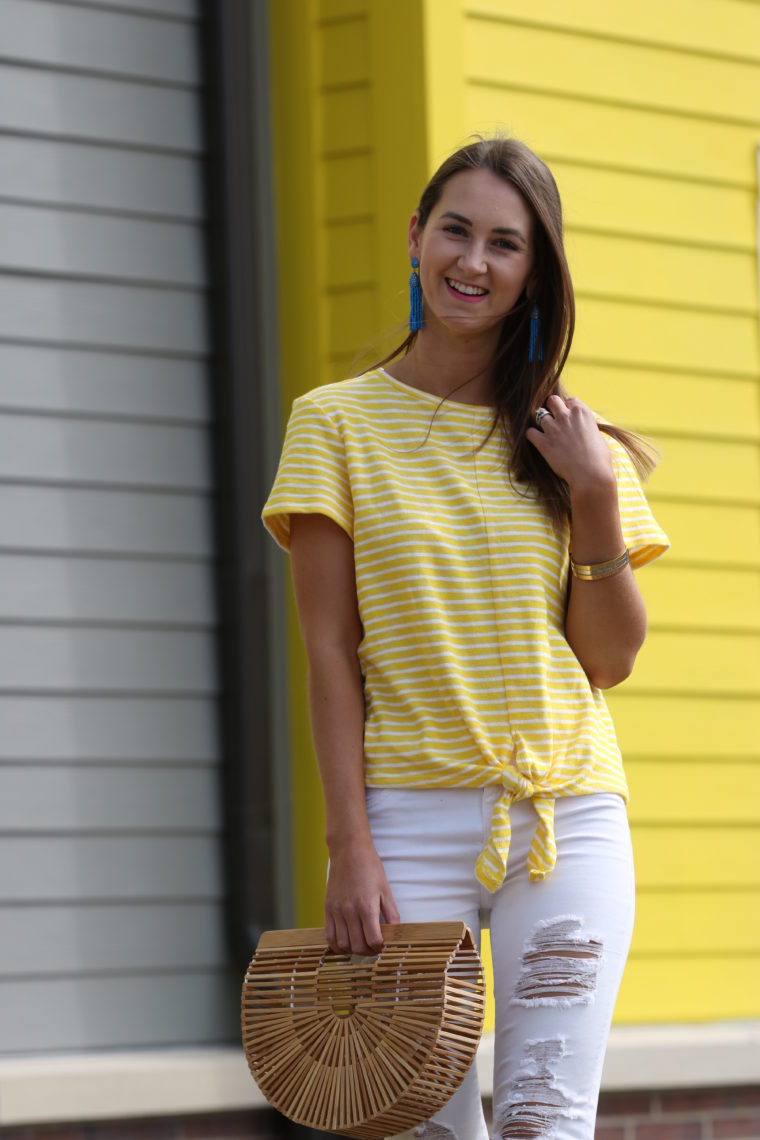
{"x":495,"y":230}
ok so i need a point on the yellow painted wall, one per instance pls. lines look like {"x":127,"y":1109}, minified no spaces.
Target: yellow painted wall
{"x":649,"y":115}
{"x":346,"y":177}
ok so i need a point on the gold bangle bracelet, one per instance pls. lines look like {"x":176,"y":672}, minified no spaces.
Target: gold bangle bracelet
{"x":595,"y":570}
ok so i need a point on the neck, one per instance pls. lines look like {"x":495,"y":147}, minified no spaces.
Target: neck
{"x":446,"y":366}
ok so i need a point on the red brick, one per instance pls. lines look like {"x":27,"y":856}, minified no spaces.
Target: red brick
{"x":605,"y":1133}
{"x":156,"y":1129}
{"x":625,"y":1104}
{"x":44,"y":1132}
{"x":695,"y":1100}
{"x":669,"y":1130}
{"x":266,"y":1124}
{"x":736,"y":1127}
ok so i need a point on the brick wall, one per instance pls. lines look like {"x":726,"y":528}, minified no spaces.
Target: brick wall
{"x":707,"y":1114}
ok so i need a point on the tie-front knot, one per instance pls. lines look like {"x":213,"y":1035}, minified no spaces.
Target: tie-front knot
{"x":517,"y":787}
{"x":491,"y":867}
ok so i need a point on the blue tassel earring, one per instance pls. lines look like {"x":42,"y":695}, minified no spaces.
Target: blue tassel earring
{"x":535,"y":337}
{"x":415,"y":298}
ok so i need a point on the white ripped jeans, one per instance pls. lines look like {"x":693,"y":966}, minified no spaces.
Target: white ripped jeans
{"x":558,"y":946}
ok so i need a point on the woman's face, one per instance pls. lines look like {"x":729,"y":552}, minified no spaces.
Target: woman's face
{"x":475,"y":252}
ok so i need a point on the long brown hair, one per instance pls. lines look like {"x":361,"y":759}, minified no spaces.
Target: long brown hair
{"x":521,"y":386}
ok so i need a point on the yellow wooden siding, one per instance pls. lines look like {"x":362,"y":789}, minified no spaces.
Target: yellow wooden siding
{"x":344,"y":74}
{"x":725,"y":406}
{"x":671,"y":725}
{"x":649,"y":115}
{"x":503,"y":54}
{"x":571,"y":128}
{"x":683,"y":988}
{"x":728,"y":28}
{"x":661,"y":795}
{"x":675,"y":597}
{"x":625,"y":202}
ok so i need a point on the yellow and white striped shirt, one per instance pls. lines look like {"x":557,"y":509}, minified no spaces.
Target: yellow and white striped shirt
{"x":461,"y":579}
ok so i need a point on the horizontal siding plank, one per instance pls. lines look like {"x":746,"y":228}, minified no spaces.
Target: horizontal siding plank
{"x":101,"y":177}
{"x":348,"y":186}
{"x":64,"y":36}
{"x":700,"y":922}
{"x":351,"y":319}
{"x":670,"y":209}
{"x":83,"y":108}
{"x":708,"y":535}
{"x":344,"y":124}
{"x":654,"y":336}
{"x":35,"y":239}
{"x":36,"y":378}
{"x":108,"y":730}
{"x":659,"y":402}
{"x":685,"y":726}
{"x":107,"y":660}
{"x":86,"y":451}
{"x":349,"y":254}
{"x":682,"y":661}
{"x":113,"y":800}
{"x":675,"y":596}
{"x":176,"y":9}
{"x":74,"y":520}
{"x":116,"y":316}
{"x":729,"y":27}
{"x":53,"y":589}
{"x":610,"y":71}
{"x":99,"y":1013}
{"x":611,"y":136}
{"x":93,"y":869}
{"x":674,"y":793}
{"x":343,"y":52}
{"x":708,"y":470}
{"x":682,"y":989}
{"x":658,"y":272}
{"x":341,"y":9}
{"x":696,"y":856}
{"x":114,"y":938}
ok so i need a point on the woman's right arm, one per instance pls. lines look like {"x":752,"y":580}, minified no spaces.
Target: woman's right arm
{"x":324,"y":580}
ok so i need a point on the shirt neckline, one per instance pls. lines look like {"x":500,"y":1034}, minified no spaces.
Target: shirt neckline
{"x":437,"y":401}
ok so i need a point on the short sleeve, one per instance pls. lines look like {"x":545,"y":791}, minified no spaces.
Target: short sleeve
{"x":312,"y":477}
{"x":645,"y":539}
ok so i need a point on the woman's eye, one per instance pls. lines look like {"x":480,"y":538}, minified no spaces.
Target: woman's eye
{"x":504,"y":243}
{"x":455,"y":229}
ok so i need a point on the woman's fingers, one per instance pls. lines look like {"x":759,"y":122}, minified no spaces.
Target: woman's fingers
{"x":354,"y":931}
{"x":357,"y":896}
{"x":389,"y":908}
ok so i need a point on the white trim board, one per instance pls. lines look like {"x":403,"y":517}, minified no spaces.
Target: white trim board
{"x":180,"y":1082}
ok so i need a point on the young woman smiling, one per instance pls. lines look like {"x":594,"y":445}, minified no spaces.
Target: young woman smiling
{"x":463,"y":536}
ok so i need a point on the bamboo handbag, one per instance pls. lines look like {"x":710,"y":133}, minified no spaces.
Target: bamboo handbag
{"x":365,"y":1047}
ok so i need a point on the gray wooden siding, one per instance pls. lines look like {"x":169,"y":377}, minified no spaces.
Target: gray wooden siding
{"x":111,"y":885}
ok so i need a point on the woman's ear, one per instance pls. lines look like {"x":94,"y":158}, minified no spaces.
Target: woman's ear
{"x":414,"y":236}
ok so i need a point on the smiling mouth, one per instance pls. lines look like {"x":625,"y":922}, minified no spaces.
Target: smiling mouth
{"x":465,"y":290}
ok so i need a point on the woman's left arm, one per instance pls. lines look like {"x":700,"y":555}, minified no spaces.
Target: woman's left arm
{"x":605,"y":623}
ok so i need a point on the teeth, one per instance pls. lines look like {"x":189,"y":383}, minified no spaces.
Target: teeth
{"x":469,"y":290}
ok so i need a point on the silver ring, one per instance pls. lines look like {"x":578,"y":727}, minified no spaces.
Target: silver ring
{"x":540,"y":414}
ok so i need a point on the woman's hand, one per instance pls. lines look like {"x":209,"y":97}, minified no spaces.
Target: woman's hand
{"x":357,"y":897}
{"x":605,"y":622}
{"x":571,"y":443}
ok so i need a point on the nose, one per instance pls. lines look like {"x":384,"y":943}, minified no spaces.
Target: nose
{"x":472,"y":260}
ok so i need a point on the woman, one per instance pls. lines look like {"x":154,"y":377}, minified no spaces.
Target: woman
{"x":462,"y":538}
